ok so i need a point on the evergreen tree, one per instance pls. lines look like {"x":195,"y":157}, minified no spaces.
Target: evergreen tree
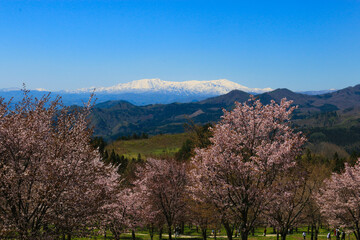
{"x":338,"y":163}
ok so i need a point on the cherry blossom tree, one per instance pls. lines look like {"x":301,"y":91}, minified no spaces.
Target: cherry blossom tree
{"x":318,"y":172}
{"x":313,"y":217}
{"x":122,"y":212}
{"x":48,"y":170}
{"x":339,"y":199}
{"x":204,"y":215}
{"x":251,"y":145}
{"x":200,"y":212}
{"x":292,"y":194}
{"x":151,"y":216}
{"x":81,"y":205}
{"x":163,"y":187}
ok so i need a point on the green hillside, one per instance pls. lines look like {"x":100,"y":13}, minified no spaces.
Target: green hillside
{"x":114,"y":119}
{"x":331,"y":122}
{"x":165,"y":145}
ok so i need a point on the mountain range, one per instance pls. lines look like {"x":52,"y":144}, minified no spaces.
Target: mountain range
{"x":330,"y":117}
{"x":194,"y":87}
{"x":148,"y":91}
{"x":112,"y":119}
{"x":144,"y":92}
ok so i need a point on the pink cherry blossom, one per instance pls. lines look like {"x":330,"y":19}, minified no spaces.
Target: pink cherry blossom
{"x":339,"y":199}
{"x":50,"y":176}
{"x":251,"y":145}
{"x":162,"y":184}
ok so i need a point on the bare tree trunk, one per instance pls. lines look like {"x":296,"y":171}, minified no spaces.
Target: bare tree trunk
{"x":169,"y":229}
{"x":357,"y":231}
{"x":160,"y":233}
{"x":116,"y":236}
{"x":312,"y":231}
{"x":229,"y":230}
{"x":316,"y":231}
{"x":357,"y":235}
{"x":244,"y":235}
{"x":203,"y":232}
{"x":133,"y":234}
{"x":151,"y":231}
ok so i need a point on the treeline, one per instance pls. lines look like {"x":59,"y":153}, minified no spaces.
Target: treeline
{"x":199,"y":137}
{"x":125,"y":166}
{"x":134,"y":136}
{"x":346,"y":137}
{"x":334,"y":127}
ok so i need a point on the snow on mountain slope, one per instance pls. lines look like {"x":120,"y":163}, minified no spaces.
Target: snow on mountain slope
{"x":213,"y":87}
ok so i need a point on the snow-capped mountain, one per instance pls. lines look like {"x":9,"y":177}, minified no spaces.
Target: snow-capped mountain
{"x":142,"y":92}
{"x":213,"y":87}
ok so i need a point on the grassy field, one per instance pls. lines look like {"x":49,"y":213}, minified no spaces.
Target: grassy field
{"x":156,"y":146}
{"x":192,"y":234}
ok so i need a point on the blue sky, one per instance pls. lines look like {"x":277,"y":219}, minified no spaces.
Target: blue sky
{"x":300,"y":45}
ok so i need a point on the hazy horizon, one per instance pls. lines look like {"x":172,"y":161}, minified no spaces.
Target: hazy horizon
{"x":98,"y":87}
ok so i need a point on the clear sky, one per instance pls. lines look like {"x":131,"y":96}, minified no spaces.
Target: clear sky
{"x":63,"y":44}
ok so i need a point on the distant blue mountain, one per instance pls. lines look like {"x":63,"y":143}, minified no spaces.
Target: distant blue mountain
{"x":139,"y":99}
{"x":148,"y":91}
{"x":318,"y":92}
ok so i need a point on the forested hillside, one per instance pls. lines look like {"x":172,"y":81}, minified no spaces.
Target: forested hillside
{"x":332,"y":117}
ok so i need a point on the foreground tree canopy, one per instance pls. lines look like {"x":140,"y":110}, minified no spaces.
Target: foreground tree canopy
{"x":244,"y":172}
{"x":51,"y":179}
{"x":251,"y":146}
{"x":340,"y":199}
{"x":161,"y":184}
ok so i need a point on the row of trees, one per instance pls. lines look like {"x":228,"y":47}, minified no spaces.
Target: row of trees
{"x":134,"y":136}
{"x":53,"y":183}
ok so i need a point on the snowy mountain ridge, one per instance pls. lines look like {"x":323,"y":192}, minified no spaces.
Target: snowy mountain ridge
{"x":211,"y":87}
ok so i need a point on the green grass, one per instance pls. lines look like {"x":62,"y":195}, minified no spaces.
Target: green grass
{"x":193,"y":235}
{"x":157,"y":146}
